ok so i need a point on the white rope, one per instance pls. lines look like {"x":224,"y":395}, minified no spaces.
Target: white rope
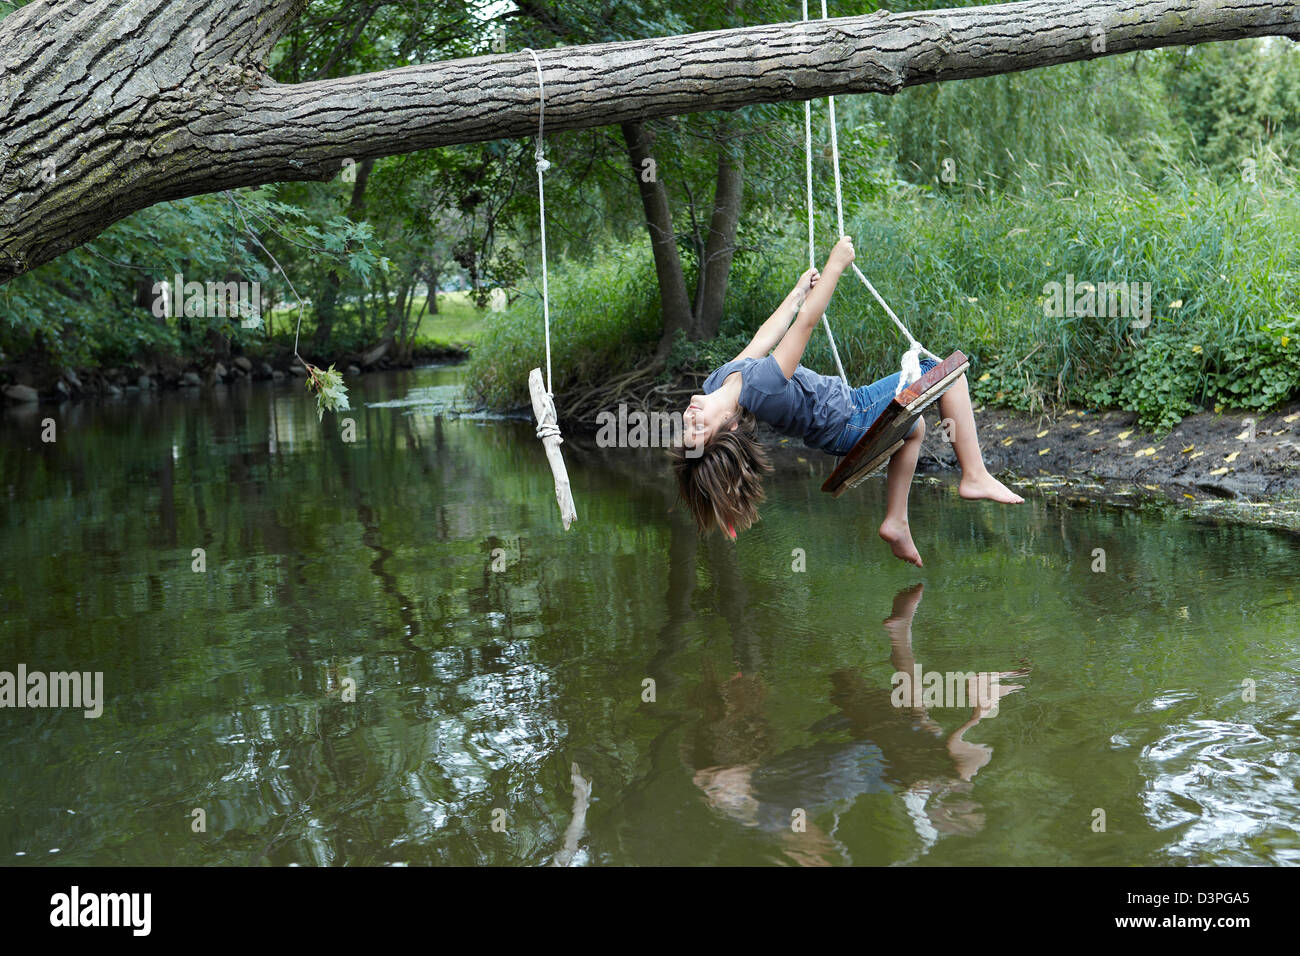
{"x":542,"y":167}
{"x":911,"y":362}
{"x":544,"y":429}
{"x":812,"y":254}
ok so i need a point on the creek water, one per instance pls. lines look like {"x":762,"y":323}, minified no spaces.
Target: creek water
{"x":392,"y":653}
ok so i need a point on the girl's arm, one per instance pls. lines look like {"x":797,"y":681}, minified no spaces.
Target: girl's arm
{"x":770,"y":332}
{"x":789,"y":352}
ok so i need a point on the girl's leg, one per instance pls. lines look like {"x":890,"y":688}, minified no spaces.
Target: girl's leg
{"x":894,"y":529}
{"x":976,"y":482}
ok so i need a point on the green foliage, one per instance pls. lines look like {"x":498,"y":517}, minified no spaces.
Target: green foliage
{"x":1171,"y":374}
{"x":1261,"y":369}
{"x":604,"y":319}
{"x":1162,"y":381}
{"x":83,"y":308}
{"x":685,"y":355}
{"x":1240,"y":100}
{"x":330,"y":391}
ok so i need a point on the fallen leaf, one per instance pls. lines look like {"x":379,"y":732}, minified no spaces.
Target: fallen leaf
{"x":1187,"y":449}
{"x":1244,"y":436}
{"x":1219,"y":471}
{"x":1151,"y":487}
{"x":985,"y":377}
{"x":1232,"y":457}
{"x":1186,"y":495}
{"x":1042,"y":433}
{"x":1043,"y":451}
{"x":1123,"y":435}
{"x":1077,"y":425}
{"x":1291,"y":418}
{"x":1218,"y":409}
{"x":1007,"y":441}
{"x":1195,"y":455}
{"x":1093,"y":432}
{"x":1144,"y":452}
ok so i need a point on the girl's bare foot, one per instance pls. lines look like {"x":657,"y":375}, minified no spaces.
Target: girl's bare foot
{"x":976,"y":487}
{"x":899,"y":536}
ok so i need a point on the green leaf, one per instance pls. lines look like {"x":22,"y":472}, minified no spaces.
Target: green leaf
{"x":330,"y":391}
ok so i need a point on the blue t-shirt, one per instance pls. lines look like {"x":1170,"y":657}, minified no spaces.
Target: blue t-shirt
{"x":806,"y":405}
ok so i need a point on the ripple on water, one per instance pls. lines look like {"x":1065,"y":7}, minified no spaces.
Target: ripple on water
{"x":1221,"y":782}
{"x":440,"y":400}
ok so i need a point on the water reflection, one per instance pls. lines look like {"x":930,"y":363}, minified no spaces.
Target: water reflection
{"x":393,"y":640}
{"x":876,"y":747}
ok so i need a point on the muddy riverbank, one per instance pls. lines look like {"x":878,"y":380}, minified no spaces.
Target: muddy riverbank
{"x":1240,"y":466}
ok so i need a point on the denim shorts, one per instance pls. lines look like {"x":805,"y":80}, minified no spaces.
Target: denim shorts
{"x":869,"y":402}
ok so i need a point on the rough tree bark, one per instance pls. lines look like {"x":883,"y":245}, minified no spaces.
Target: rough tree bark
{"x":109,"y":106}
{"x":720,"y":246}
{"x":674,"y":303}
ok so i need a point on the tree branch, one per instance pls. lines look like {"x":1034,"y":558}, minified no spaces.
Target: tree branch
{"x":109,"y":106}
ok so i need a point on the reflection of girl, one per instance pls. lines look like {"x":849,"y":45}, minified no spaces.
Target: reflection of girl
{"x":890,"y":749}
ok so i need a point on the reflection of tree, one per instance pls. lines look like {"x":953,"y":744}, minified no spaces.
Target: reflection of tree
{"x":372,"y":536}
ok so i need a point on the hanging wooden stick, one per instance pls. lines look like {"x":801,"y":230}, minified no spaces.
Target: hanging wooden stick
{"x":548,"y":430}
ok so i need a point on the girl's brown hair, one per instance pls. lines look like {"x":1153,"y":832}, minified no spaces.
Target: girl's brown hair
{"x":723,"y":485}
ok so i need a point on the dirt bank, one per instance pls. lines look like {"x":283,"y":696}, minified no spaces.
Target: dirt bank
{"x":1237,"y":466}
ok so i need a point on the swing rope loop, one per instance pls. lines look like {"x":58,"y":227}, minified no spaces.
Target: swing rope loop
{"x":812,"y":254}
{"x":911,"y":362}
{"x":542,"y":166}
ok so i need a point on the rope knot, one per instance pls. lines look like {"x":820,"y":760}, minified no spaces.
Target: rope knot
{"x":549,"y":430}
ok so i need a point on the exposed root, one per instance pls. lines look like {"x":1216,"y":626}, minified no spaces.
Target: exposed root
{"x":640,"y":389}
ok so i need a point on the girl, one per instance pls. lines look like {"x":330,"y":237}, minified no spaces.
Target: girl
{"x":720,"y":471}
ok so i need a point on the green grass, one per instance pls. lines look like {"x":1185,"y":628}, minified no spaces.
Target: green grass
{"x":604,"y":320}
{"x":458,"y":321}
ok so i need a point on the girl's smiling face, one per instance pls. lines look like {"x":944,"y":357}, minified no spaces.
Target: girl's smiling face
{"x":705,"y":416}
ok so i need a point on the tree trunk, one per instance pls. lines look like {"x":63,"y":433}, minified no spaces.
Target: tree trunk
{"x":431,"y":282}
{"x":109,"y":106}
{"x":327,"y":310}
{"x":720,"y":247}
{"x":674,"y":302}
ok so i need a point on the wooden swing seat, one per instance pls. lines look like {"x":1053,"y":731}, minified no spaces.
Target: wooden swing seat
{"x":886,"y":434}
